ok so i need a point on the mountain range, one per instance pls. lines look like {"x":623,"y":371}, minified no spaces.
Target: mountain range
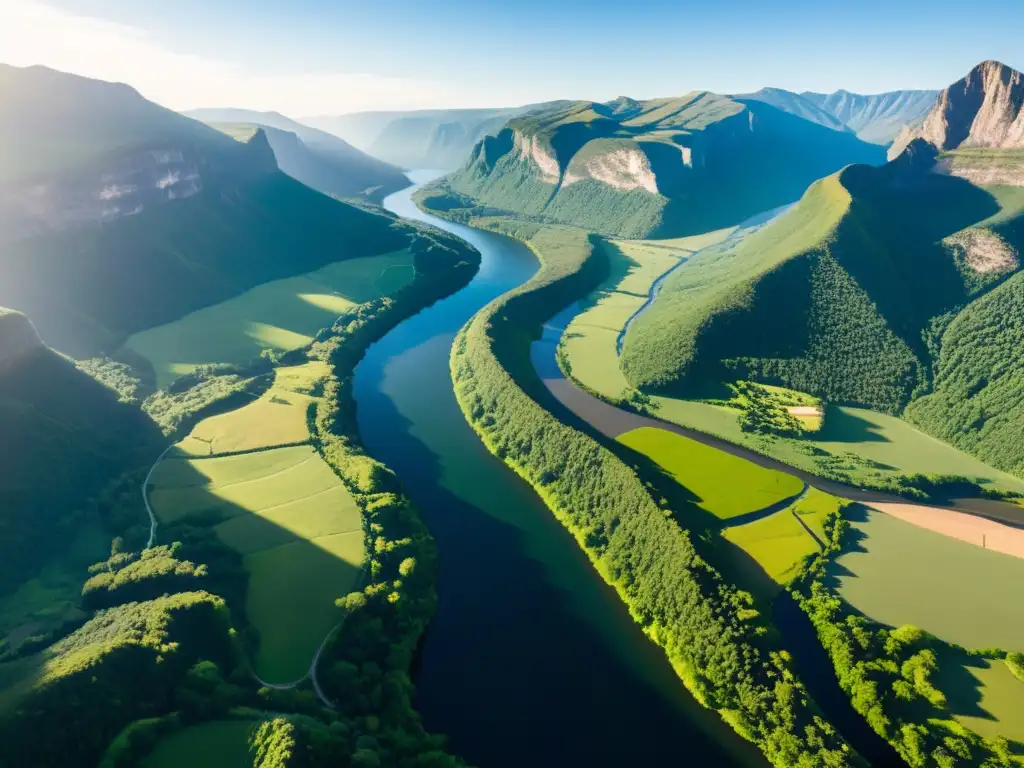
{"x":117,"y":214}
{"x":895,"y":288}
{"x":655,"y":168}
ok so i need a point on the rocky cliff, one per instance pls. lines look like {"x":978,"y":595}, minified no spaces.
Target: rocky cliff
{"x":984,"y":109}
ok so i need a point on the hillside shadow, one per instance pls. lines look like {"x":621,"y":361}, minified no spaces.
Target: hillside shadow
{"x":842,"y":426}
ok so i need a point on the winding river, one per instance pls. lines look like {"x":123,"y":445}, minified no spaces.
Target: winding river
{"x":531,"y":658}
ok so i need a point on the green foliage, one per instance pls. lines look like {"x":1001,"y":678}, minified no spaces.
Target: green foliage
{"x":698,"y":162}
{"x":978,"y":400}
{"x":65,"y":439}
{"x":840,"y":297}
{"x":122,"y":664}
{"x":157,"y":571}
{"x":671,"y":591}
{"x":1015,"y":661}
{"x":274,"y":745}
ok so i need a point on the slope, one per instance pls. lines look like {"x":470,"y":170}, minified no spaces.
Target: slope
{"x":316,"y":158}
{"x":65,"y":437}
{"x":151,"y":217}
{"x":658,"y":168}
{"x":833,"y":299}
{"x":878,"y":117}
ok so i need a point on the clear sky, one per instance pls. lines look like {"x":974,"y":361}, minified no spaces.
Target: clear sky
{"x":306,"y":57}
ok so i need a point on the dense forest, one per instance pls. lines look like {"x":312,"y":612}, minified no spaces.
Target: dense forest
{"x":707,"y":628}
{"x":840,"y":297}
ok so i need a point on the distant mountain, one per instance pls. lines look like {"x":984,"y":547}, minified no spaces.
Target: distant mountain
{"x":657,"y":168}
{"x":876,"y":118}
{"x":117,"y":215}
{"x":797,"y":105}
{"x":344,"y":170}
{"x":437,"y":138}
{"x":983,"y":109}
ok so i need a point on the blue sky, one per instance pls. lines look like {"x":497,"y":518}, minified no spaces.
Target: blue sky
{"x":331,"y":56}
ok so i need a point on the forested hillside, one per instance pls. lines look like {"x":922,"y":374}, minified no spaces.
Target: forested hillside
{"x":153,"y":215}
{"x":658,"y":168}
{"x":65,"y":438}
{"x":840,"y":297}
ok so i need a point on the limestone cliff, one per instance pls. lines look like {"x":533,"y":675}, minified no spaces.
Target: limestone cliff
{"x":983,"y":109}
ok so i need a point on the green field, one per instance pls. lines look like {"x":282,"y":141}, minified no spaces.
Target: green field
{"x":986,"y":697}
{"x":278,"y":417}
{"x":279,"y":315}
{"x":779,"y":543}
{"x":216,"y":744}
{"x":897,"y":573}
{"x":287,"y":512}
{"x":590,"y":339}
{"x":722,"y":484}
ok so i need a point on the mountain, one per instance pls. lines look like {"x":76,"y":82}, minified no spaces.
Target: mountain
{"x":896,"y":288}
{"x":65,"y":437}
{"x":984,"y":109}
{"x":314,"y":157}
{"x":117,"y":215}
{"x":877,"y":118}
{"x":657,"y":168}
{"x":437,"y":138}
{"x":798,"y":105}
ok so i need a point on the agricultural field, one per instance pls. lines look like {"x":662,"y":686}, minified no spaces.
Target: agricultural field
{"x":278,"y":417}
{"x":216,"y":744}
{"x":724,"y":485}
{"x":280,"y":315}
{"x":898,"y":573}
{"x":778,"y":543}
{"x":591,"y":339}
{"x":283,"y":509}
{"x":781,"y":542}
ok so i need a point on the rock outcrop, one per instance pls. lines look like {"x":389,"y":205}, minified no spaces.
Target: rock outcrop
{"x":985,"y":109}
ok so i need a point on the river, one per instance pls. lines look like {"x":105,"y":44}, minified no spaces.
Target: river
{"x":531,"y":659}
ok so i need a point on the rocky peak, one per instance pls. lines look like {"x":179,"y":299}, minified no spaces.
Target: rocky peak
{"x":983,"y":109}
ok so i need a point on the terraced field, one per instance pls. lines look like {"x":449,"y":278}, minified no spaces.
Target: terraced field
{"x":283,"y":509}
{"x":280,"y":315}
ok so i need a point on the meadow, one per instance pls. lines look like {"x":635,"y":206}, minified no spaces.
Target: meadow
{"x":277,"y":417}
{"x":724,"y":485}
{"x":215,"y":744}
{"x":897,"y":573}
{"x":778,"y":543}
{"x":280,"y":315}
{"x":283,"y":509}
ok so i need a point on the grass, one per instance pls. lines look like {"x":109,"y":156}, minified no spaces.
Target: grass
{"x":300,"y":532}
{"x":779,"y":544}
{"x":216,"y":744}
{"x":814,"y":508}
{"x":591,"y":338}
{"x":278,"y":417}
{"x":280,"y":315}
{"x":289,"y":587}
{"x":897,"y":573}
{"x":986,"y":698}
{"x":722,"y":484}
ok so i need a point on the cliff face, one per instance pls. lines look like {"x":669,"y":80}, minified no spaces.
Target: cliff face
{"x":985,"y":109}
